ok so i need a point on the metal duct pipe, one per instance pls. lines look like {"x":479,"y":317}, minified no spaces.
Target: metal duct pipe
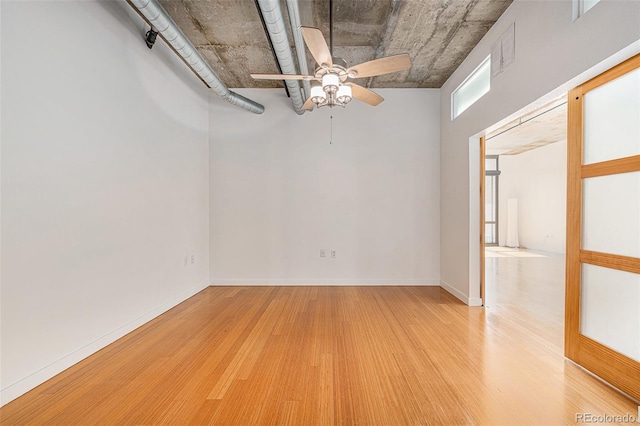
{"x":158,"y":18}
{"x":294,"y":19}
{"x":272,"y":15}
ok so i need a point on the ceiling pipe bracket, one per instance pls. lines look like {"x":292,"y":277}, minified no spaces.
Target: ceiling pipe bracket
{"x":159,"y":19}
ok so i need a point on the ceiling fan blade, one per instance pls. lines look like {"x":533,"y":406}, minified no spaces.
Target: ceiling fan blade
{"x":365,"y":95}
{"x":282,"y":77}
{"x":317,"y":45}
{"x":381,"y":66}
{"x":308,"y":105}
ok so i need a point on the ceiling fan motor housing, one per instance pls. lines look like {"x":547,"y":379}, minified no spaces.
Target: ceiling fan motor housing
{"x":336,"y":68}
{"x":339,"y":62}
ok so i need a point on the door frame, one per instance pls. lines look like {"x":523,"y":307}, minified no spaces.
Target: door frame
{"x":483,"y":155}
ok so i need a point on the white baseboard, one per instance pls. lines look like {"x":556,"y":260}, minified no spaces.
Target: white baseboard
{"x":469,"y":301}
{"x":326,"y":282}
{"x":36,"y":378}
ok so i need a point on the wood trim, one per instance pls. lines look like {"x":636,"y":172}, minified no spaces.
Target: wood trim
{"x":613,"y":261}
{"x":574,"y":217}
{"x":610,"y":365}
{"x":619,"y":165}
{"x":613,"y":73}
{"x":483,"y":155}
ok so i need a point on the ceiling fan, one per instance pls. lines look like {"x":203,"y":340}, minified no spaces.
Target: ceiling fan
{"x":333,"y":74}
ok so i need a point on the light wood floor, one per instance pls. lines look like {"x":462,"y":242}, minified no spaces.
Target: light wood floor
{"x":330,"y":355}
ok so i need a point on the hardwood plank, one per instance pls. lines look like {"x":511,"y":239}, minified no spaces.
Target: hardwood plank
{"x":326,"y":355}
{"x":525,"y":282}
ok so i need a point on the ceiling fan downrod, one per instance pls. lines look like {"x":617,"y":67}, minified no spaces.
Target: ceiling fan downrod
{"x":331,"y":27}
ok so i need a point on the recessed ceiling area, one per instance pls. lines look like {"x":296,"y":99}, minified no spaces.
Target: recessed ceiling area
{"x":534,"y":130}
{"x":437,"y":35}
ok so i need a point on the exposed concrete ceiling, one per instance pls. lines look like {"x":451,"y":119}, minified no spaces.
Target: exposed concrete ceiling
{"x":534,"y":130}
{"x":437,"y":35}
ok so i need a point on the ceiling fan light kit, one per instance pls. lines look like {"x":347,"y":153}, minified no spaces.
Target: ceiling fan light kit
{"x":318,"y":95}
{"x":330,"y":83}
{"x":331,"y":93}
{"x":332,"y":87}
{"x":344,"y":95}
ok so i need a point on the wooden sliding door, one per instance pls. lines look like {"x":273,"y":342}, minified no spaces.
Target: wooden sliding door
{"x":602,"y":318}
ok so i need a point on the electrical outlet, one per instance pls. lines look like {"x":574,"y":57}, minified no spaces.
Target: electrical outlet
{"x":323,"y":253}
{"x":193,"y":259}
{"x":333,"y":254}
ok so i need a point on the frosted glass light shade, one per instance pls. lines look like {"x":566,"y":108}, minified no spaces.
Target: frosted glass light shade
{"x":317,"y":95}
{"x":344,"y":94}
{"x":330,"y":83}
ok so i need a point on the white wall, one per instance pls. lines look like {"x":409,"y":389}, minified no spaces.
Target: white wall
{"x":104,"y":183}
{"x":538,"y":179}
{"x":280,"y":192}
{"x":552,"y":54}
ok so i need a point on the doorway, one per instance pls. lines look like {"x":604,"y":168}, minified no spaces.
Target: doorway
{"x":602,"y":311}
{"x":525,"y":212}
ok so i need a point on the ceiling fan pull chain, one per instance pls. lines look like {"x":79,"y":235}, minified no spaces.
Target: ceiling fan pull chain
{"x":331,"y":136}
